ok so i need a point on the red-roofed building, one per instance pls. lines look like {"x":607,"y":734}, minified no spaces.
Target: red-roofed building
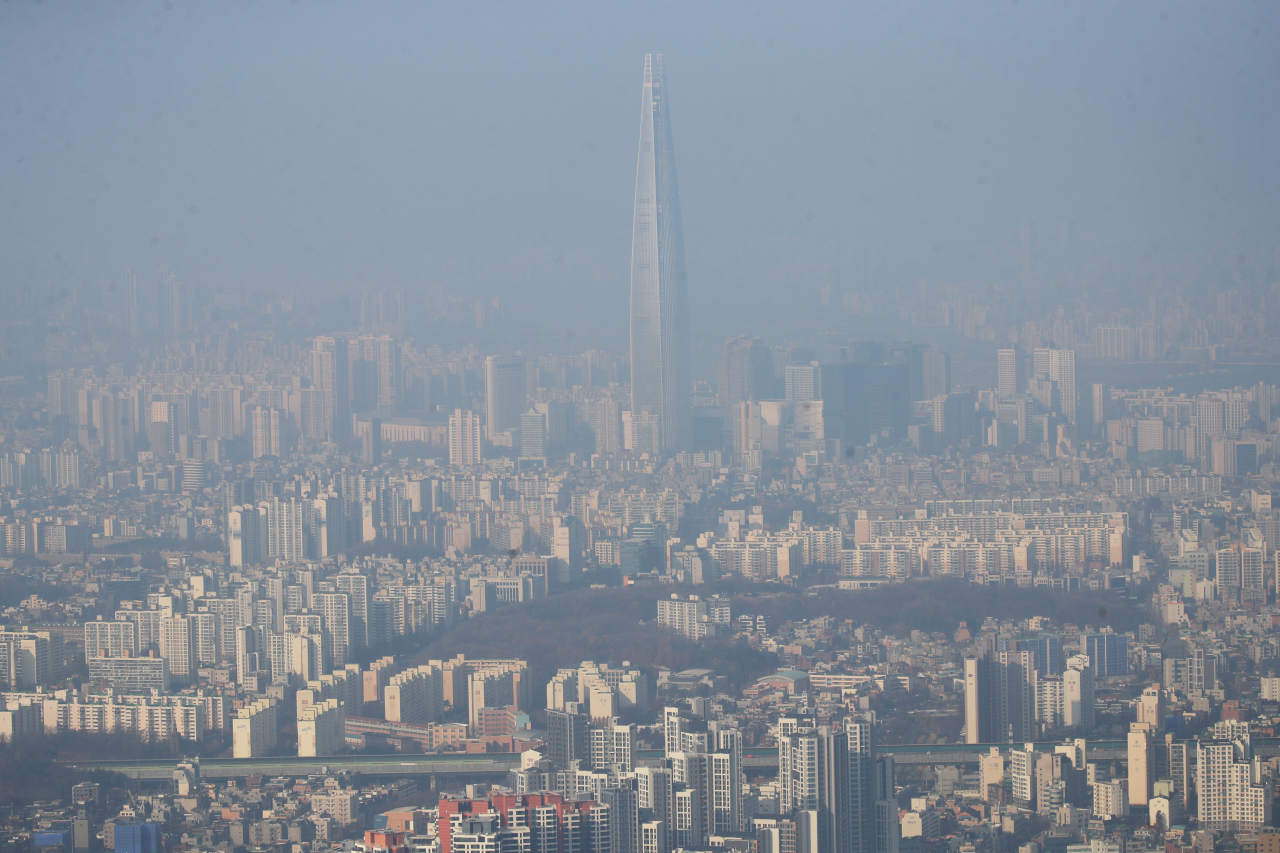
{"x":549,"y":821}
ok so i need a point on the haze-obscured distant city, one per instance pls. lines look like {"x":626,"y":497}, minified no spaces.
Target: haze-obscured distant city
{"x":881,"y":461}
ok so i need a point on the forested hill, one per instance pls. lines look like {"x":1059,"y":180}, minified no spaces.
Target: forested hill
{"x":614,"y":625}
{"x":941,"y":605}
{"x":594,"y":625}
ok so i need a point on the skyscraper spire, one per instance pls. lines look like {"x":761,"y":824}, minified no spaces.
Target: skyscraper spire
{"x":661,"y":385}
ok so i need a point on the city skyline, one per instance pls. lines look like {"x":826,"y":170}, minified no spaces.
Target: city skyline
{"x":359,"y":491}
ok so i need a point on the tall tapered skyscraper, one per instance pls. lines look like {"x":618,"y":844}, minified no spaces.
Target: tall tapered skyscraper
{"x":660,"y":379}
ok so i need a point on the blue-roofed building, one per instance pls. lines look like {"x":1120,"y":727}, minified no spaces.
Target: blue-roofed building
{"x":60,"y":840}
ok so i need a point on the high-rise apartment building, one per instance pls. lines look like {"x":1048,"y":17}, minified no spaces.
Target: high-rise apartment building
{"x":356,"y":586}
{"x":224,"y":403}
{"x":1139,"y":754}
{"x":532,"y":821}
{"x":1000,"y":697}
{"x":254,"y":729}
{"x":1231,"y":791}
{"x":173,"y":305}
{"x":206,"y":638}
{"x":325,"y":527}
{"x":1099,"y":404}
{"x":1241,"y":572}
{"x":266,"y":432}
{"x":694,"y":617}
{"x":661,"y":382}
{"x":1078,"y":701}
{"x":177,"y":646}
{"x":286,"y":530}
{"x":251,"y":652}
{"x":830,"y":780}
{"x":110,"y":639}
{"x":567,"y":736}
{"x":131,"y":303}
{"x":414,"y":696}
{"x":387,"y":358}
{"x":464,"y":438}
{"x":246,"y":535}
{"x":28,"y":660}
{"x":119,"y":427}
{"x":321,"y":729}
{"x":329,"y":376}
{"x":335,"y":607}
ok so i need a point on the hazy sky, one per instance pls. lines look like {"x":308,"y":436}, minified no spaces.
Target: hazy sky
{"x":490,"y":148}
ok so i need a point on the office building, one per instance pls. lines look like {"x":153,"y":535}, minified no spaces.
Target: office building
{"x":505,"y":393}
{"x":1108,"y":652}
{"x":661,"y":381}
{"x":1058,"y":367}
{"x":936,"y":374}
{"x":533,"y":435}
{"x":803,"y":382}
{"x":862,"y":400}
{"x":745,"y":371}
{"x":1011,"y":376}
{"x":139,"y":838}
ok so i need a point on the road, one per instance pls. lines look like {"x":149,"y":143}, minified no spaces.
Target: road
{"x":402,"y":765}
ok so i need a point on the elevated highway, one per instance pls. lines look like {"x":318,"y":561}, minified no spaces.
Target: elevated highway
{"x":496,"y":764}
{"x":399,"y":765}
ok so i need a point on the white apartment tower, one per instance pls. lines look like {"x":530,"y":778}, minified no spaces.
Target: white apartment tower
{"x":465,"y":438}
